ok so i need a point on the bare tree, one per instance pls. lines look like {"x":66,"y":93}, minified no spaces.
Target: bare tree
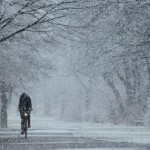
{"x":117,"y":43}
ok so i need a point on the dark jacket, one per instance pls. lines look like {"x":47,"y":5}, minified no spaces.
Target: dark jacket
{"x":25,"y":103}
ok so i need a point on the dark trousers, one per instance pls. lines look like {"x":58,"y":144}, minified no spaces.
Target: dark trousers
{"x":29,"y":120}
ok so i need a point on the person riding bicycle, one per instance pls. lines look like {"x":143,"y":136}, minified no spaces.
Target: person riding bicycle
{"x":25,"y":104}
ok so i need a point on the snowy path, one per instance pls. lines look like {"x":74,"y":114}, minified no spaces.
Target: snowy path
{"x":48,"y":134}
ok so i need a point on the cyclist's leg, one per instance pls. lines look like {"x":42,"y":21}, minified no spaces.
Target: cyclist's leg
{"x":29,"y":125}
{"x":22,"y":123}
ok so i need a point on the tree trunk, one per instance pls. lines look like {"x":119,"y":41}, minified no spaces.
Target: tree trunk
{"x":117,"y":95}
{"x":0,"y":109}
{"x":87,"y":89}
{"x":87,"y":105}
{"x":146,"y":105}
{"x":138,"y":95}
{"x":132,"y":84}
{"x":10,"y":91}
{"x":63,"y":104}
{"x":4,"y":110}
{"x":146,"y":57}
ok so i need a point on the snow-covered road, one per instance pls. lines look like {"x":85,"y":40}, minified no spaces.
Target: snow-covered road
{"x":49,"y":133}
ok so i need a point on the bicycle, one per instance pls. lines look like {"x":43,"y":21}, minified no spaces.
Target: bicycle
{"x":24,"y":122}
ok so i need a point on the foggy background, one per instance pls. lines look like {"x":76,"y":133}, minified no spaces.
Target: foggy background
{"x":77,"y":60}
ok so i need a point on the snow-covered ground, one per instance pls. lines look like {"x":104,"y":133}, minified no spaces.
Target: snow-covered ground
{"x":44,"y":125}
{"x":49,"y":132}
